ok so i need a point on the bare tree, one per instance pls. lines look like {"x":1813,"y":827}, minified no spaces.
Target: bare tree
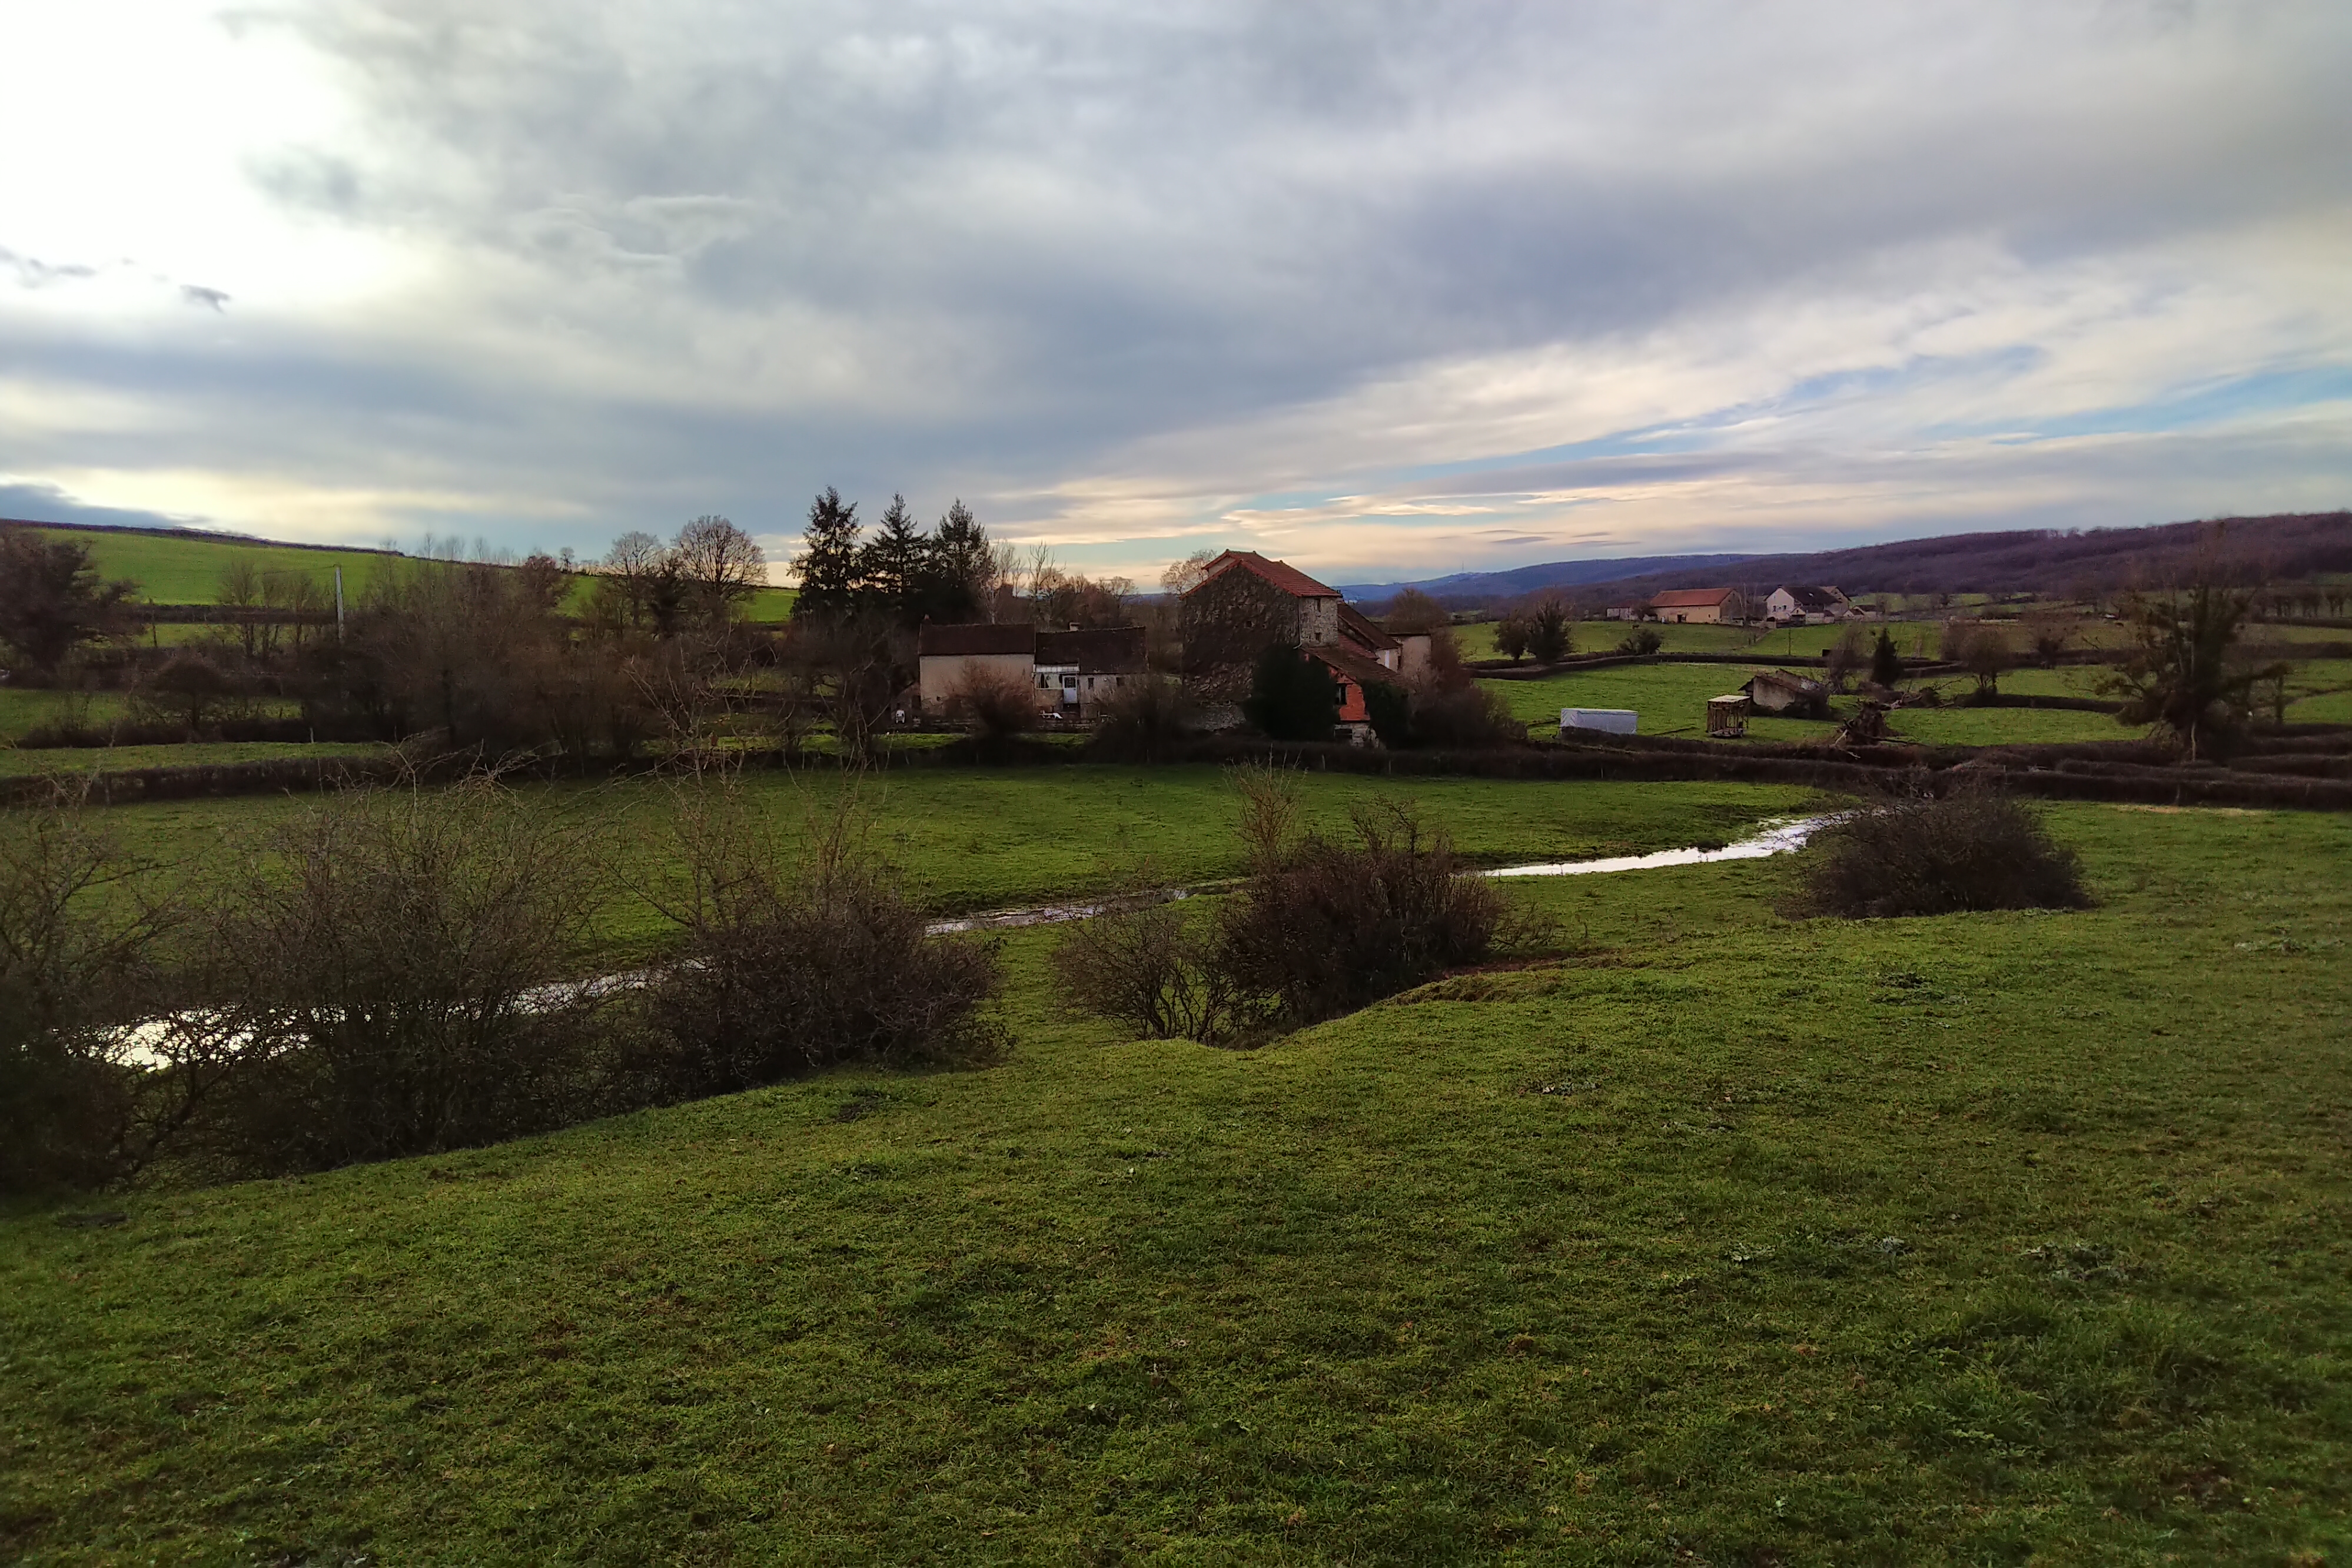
{"x":1183,"y":577}
{"x":721,"y":565}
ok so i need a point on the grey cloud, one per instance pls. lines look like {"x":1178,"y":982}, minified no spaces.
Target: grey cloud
{"x":209,"y":299}
{"x":1055,"y":230}
{"x":32,"y":272}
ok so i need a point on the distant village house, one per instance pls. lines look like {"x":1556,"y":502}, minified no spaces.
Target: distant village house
{"x":1072,"y":672}
{"x":1808,"y":606}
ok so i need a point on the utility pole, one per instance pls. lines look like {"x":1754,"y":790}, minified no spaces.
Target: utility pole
{"x":339,"y":606}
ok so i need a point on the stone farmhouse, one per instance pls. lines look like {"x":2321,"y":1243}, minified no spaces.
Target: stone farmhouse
{"x":1809,"y":606}
{"x":1247,"y":602}
{"x":1071,"y":672}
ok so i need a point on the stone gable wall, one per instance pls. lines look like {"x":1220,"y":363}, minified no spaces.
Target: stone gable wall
{"x":1232,"y":618}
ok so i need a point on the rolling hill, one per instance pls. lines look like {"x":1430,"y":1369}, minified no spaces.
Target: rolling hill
{"x":2274,"y":548}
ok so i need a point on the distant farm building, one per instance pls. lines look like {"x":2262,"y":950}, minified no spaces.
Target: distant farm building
{"x":1697,"y":607}
{"x":1071,"y":672}
{"x":1788,"y":695}
{"x":1808,"y":606}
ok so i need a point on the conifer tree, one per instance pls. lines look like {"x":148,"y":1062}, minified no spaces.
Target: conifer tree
{"x":1885,"y":664}
{"x":892,"y":564}
{"x":830,"y":562}
{"x":960,"y":569}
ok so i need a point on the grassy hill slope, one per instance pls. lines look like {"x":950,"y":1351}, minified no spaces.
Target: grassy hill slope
{"x":175,"y":569}
{"x":1973,"y":1239}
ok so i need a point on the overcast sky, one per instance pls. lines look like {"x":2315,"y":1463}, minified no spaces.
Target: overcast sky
{"x":1387,"y":290}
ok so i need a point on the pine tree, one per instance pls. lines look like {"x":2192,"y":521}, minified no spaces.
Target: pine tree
{"x":960,"y":570}
{"x":831,"y":563}
{"x":1885,"y":664}
{"x":892,"y":564}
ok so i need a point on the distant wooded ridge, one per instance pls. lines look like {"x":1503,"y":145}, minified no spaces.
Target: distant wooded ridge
{"x":2277,"y":548}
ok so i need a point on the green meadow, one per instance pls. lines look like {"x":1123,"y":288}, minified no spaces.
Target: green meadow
{"x":965,"y":839}
{"x":1711,"y":1236}
{"x":188,"y":571}
{"x":1670,"y":699}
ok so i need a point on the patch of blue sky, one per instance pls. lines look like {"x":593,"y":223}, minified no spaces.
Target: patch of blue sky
{"x":2212,"y":404}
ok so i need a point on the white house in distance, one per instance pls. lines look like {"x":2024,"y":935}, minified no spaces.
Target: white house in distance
{"x":1070,"y":671}
{"x":1809,"y":606}
{"x":1697,"y":607}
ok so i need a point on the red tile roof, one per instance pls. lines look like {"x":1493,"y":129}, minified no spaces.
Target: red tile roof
{"x":974,"y":637}
{"x":1096,"y":650}
{"x":1358,"y":627}
{"x":1281,"y":573}
{"x":1690,"y":598}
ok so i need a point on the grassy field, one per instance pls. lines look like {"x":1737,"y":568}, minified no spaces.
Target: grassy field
{"x":1671,"y":698}
{"x":1978,"y":1239}
{"x":25,"y":708}
{"x":1478,"y":641}
{"x":187,"y":571}
{"x":968,"y":840}
{"x":67,"y":760}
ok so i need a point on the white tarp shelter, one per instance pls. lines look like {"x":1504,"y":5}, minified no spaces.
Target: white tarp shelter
{"x":1616,"y":721}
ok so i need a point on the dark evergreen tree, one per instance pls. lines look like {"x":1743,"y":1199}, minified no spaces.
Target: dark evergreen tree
{"x":51,"y":600}
{"x":960,"y":568}
{"x":894,"y":564}
{"x":1885,"y":664}
{"x":831,"y":566}
{"x":1292,"y":696}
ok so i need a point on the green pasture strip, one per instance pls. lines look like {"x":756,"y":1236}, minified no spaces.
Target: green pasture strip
{"x":65,"y":761}
{"x":24,"y":708}
{"x":1667,"y":697}
{"x":1958,"y":726}
{"x":176,"y":571}
{"x":770,"y":607}
{"x":968,"y":840}
{"x":1982,"y":1238}
{"x":2320,"y":692}
{"x":1478,"y":641}
{"x":2059,"y":681}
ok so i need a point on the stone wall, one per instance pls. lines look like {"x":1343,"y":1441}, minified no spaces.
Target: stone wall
{"x":1232,"y":618}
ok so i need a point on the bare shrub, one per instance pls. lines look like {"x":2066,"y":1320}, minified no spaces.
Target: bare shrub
{"x":78,"y":956}
{"x":1320,"y":926}
{"x":1981,"y":649}
{"x":1145,"y":720}
{"x":1152,"y":968}
{"x":995,"y":706}
{"x":1466,"y":716}
{"x":1331,"y":925}
{"x":390,"y":970}
{"x":1642,"y":641}
{"x":191,"y":690}
{"x":789,"y":963}
{"x":1974,"y":849}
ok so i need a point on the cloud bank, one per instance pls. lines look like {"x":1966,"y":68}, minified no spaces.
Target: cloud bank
{"x":1387,"y":289}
